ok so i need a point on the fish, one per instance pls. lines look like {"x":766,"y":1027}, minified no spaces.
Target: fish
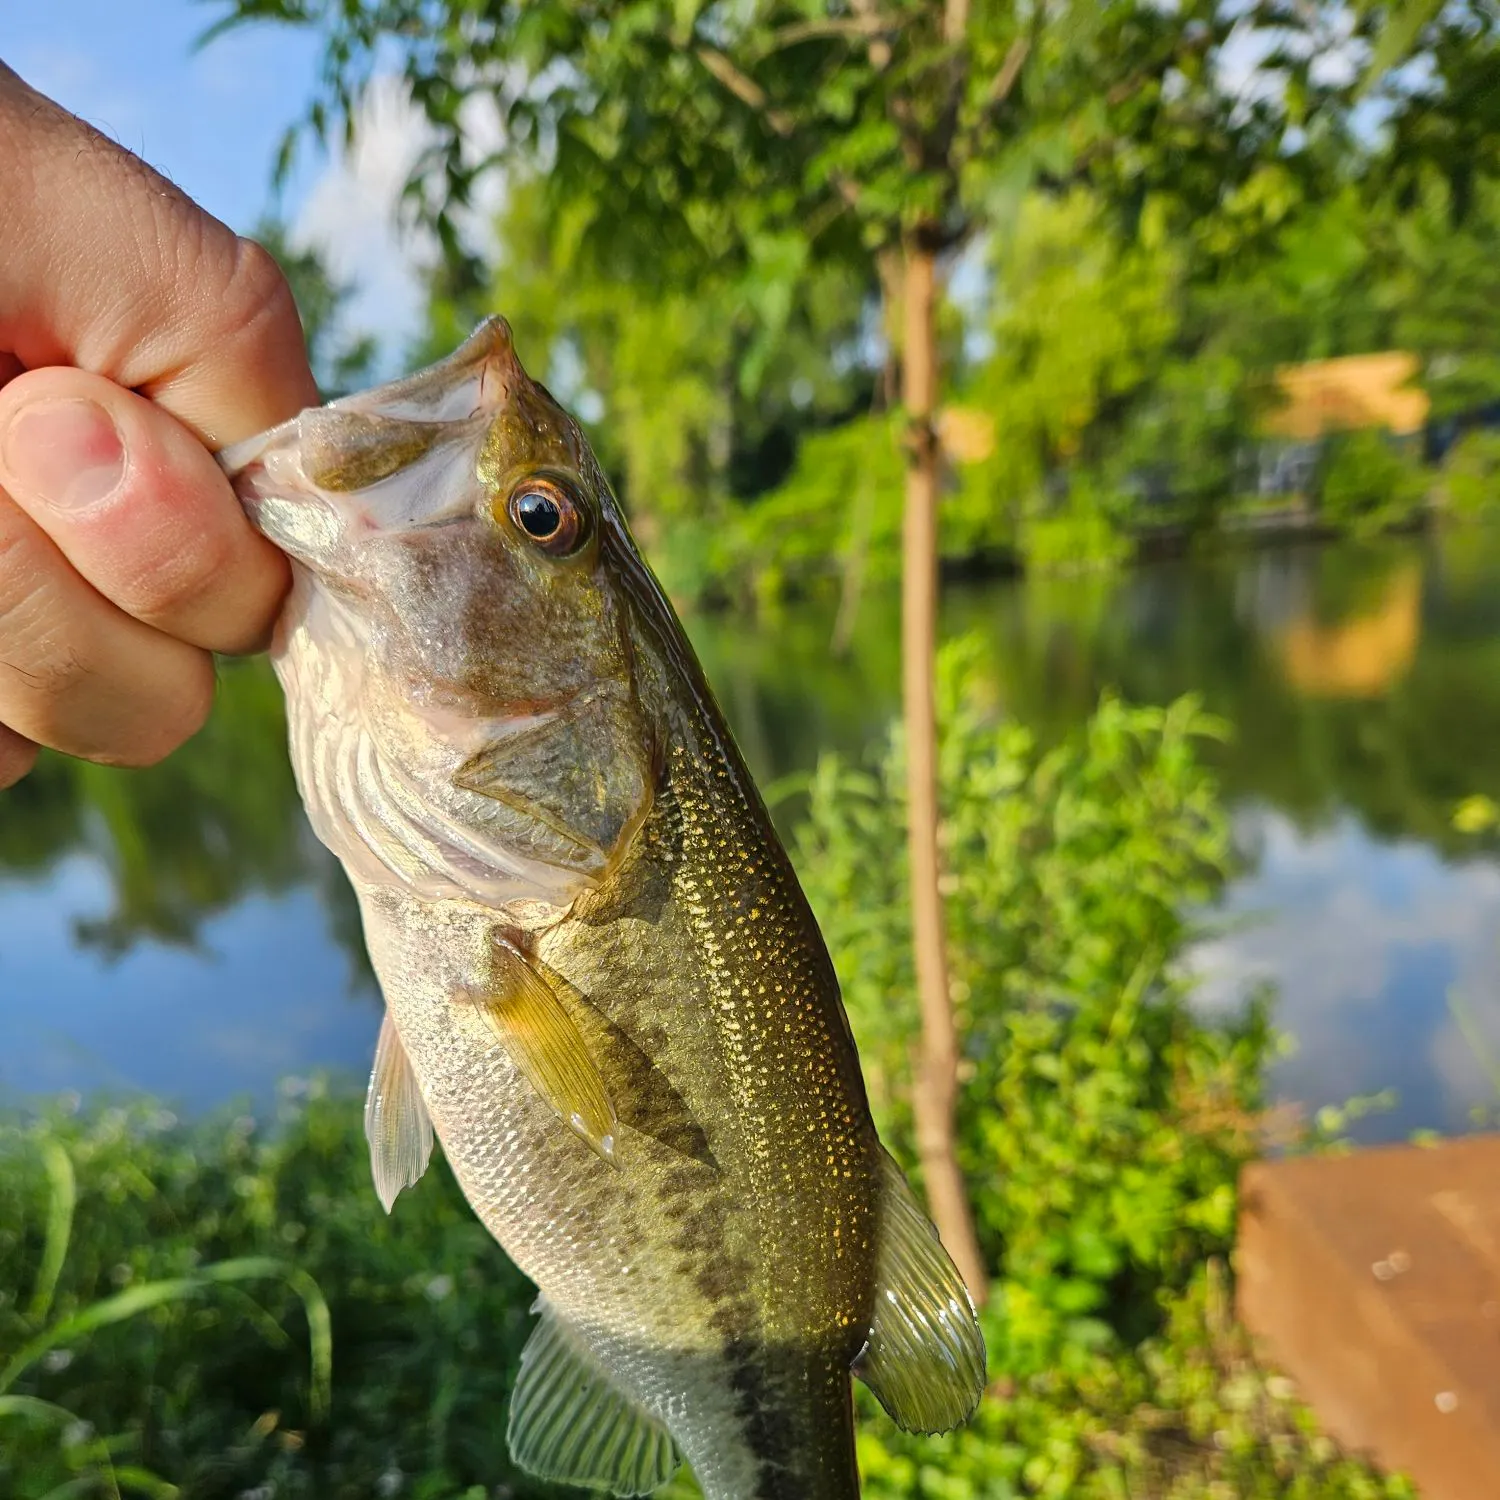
{"x":605,"y":992}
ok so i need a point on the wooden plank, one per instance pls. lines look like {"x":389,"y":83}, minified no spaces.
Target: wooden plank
{"x":1373,"y":1281}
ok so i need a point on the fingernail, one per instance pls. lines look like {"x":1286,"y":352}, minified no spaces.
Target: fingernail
{"x":66,"y":454}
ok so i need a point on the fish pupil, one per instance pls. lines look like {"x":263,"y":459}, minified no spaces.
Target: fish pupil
{"x":539,"y":515}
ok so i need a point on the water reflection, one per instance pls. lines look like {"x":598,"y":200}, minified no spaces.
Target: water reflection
{"x":1363,"y":655}
{"x":1397,"y":756}
{"x":182,"y":841}
{"x":1368,"y":946}
{"x":180,"y":930}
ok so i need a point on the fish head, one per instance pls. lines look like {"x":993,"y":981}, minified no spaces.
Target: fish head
{"x":448,"y":532}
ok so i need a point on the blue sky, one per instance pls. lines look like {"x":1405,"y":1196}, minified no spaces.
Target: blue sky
{"x":211,"y":121}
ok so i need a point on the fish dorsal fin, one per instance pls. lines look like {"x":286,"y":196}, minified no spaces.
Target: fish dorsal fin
{"x":534,"y":1027}
{"x":397,"y":1124}
{"x":925,"y":1357}
{"x":569,"y":1424}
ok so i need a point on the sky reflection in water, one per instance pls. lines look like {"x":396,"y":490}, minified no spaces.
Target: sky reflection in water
{"x":178,"y":931}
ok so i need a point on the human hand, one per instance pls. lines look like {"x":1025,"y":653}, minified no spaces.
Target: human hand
{"x":137,"y":334}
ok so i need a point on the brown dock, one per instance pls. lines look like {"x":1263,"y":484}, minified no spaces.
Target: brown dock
{"x":1373,"y":1281}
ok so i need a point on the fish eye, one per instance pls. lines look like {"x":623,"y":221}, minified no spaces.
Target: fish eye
{"x":549,"y":513}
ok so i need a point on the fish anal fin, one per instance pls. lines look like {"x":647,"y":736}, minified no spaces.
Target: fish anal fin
{"x":571,"y":1425}
{"x":925,"y":1358}
{"x":534,"y":1026}
{"x":397,"y":1124}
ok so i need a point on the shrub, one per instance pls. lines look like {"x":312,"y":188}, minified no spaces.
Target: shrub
{"x":1079,"y":537}
{"x":1367,"y":483}
{"x":1472,"y":472}
{"x":1103,"y":1124}
{"x":205,"y":1380}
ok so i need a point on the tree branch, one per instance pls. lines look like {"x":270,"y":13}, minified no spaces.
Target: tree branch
{"x":867,"y":24}
{"x":955,"y":21}
{"x":746,"y":90}
{"x":1010,"y":71}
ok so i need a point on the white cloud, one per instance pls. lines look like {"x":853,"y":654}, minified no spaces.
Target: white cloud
{"x":351,"y":216}
{"x":353,"y":213}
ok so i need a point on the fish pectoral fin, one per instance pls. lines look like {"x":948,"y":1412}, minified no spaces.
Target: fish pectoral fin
{"x":569,"y":1424}
{"x":925,"y":1358}
{"x":397,"y":1124}
{"x":534,"y":1027}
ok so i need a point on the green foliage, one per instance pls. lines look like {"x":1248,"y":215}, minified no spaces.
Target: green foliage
{"x":1103,"y":1124}
{"x":171,"y":1329}
{"x":1444,"y":282}
{"x":1082,"y":316}
{"x":1069,"y":870}
{"x":697,"y":129}
{"x":1367,"y":483}
{"x":1078,"y":537}
{"x":1471,"y":475}
{"x":842,"y":498}
{"x":707,"y":209}
{"x":711,"y":171}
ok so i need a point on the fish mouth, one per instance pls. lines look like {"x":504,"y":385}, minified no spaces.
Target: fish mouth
{"x":472,"y":381}
{"x":397,"y":457}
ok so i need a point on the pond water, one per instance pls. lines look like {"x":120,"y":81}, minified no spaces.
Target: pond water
{"x":179,"y":931}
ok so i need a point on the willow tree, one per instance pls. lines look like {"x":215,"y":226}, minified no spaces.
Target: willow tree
{"x":761,"y":138}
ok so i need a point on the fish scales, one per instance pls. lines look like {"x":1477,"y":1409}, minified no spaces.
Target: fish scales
{"x":599,"y":969}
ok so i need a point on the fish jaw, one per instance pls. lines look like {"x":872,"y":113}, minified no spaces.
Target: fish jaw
{"x":400,"y":456}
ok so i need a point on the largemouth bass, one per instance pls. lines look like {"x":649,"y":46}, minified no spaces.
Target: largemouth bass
{"x":605,"y":991}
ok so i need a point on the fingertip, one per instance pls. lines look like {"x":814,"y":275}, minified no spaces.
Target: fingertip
{"x":251,"y":370}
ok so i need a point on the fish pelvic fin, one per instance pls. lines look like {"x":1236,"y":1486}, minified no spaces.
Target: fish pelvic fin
{"x":924,"y":1361}
{"x":534,"y":1027}
{"x":397,"y":1124}
{"x":570,"y":1425}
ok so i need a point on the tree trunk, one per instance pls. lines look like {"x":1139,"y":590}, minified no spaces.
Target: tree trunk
{"x":935,"y":1090}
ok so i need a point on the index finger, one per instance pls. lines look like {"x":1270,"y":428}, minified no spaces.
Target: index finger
{"x":111,"y":268}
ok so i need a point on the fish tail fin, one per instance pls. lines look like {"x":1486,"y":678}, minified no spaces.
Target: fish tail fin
{"x":924,"y":1361}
